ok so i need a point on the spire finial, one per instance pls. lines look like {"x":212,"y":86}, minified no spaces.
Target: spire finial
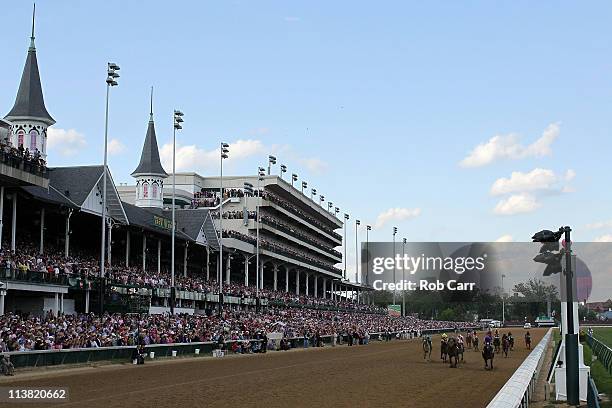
{"x":33,"y":21}
{"x":151,"y":113}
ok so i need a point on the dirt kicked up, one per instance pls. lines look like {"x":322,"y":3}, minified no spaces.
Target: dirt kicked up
{"x":380,"y":374}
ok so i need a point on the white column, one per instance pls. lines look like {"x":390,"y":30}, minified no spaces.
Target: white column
{"x":275,"y":277}
{"x":307,"y":279}
{"x":14,"y":223}
{"x":56,"y":307}
{"x":158,"y":256}
{"x":1,"y":213}
{"x":61,"y":305}
{"x":144,"y":252}
{"x":261,"y":275}
{"x":227,"y":269}
{"x":286,"y":279}
{"x":185,"y":261}
{"x":2,"y":295}
{"x":297,"y":281}
{"x":127,"y":249}
{"x":246,"y":270}
{"x":316,"y":286}
{"x":109,"y":246}
{"x":324,"y":288}
{"x":87,"y":301}
{"x":67,"y":235}
{"x":42,"y":230}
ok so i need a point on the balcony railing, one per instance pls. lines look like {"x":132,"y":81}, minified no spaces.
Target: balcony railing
{"x":19,"y":160}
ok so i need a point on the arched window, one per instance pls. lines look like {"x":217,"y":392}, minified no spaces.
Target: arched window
{"x":33,"y":135}
{"x":145,"y":190}
{"x":20,"y":137}
{"x":154,"y":190}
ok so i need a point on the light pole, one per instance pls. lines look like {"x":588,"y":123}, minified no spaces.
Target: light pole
{"x":304,"y":185}
{"x":368,"y":229}
{"x":394,"y":267}
{"x":346,"y":218}
{"x":223,"y":154}
{"x":321,"y":199}
{"x":283,"y":170}
{"x":271,"y":161}
{"x":294,"y":177}
{"x":313,"y":192}
{"x":111,"y":80}
{"x":357,"y":224}
{"x":403,"y":278}
{"x":260,"y":176}
{"x":336,"y":211}
{"x":178,"y":119}
{"x":329,"y":206}
{"x":503,"y":301}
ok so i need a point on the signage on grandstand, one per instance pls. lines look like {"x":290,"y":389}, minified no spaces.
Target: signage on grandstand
{"x":162,"y":222}
{"x":394,"y":310}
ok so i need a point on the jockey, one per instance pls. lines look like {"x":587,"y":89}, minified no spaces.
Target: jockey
{"x":427,"y":338}
{"x":460,"y":339}
{"x":488,"y":339}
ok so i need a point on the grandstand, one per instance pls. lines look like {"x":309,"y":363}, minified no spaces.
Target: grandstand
{"x":50,"y":253}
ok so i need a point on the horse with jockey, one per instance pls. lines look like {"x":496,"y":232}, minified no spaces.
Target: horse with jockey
{"x":427,"y":347}
{"x":496,"y":341}
{"x":460,"y":345}
{"x":488,"y":351}
{"x":444,"y":347}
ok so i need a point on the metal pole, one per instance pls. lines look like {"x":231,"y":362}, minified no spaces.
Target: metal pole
{"x":103,"y":243}
{"x":257,"y":246}
{"x":345,"y":221}
{"x":571,"y":337}
{"x":394,"y":291}
{"x":172,"y":289}
{"x":503,"y":301}
{"x":1,"y":213}
{"x":220,"y":277}
{"x":356,"y":253}
{"x":403,"y":278}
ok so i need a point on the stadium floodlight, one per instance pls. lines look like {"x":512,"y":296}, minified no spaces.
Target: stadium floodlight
{"x":394,"y":267}
{"x":346,"y":217}
{"x":223,"y":154}
{"x":177,"y":119}
{"x":283,"y":169}
{"x":313,"y":192}
{"x":111,"y":80}
{"x":294,"y":177}
{"x":357,"y":224}
{"x":336,"y":211}
{"x":271,"y":161}
{"x":258,"y":273}
{"x":304,"y":185}
{"x":321,"y":199}
{"x":553,"y":260}
{"x":248,"y":188}
{"x":329,"y":206}
{"x":368,"y":229}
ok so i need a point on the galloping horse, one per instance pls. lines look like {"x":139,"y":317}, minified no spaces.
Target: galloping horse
{"x":427,"y":348}
{"x":475,"y":343}
{"x":444,"y":349}
{"x":452,"y":348}
{"x":487,"y":354}
{"x":496,"y":343}
{"x":528,"y":341}
{"x":505,"y":345}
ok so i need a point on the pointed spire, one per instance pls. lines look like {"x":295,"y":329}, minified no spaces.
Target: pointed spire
{"x":30,"y":103}
{"x":150,"y":164}
{"x":32,"y":47}
{"x":151,"y":113}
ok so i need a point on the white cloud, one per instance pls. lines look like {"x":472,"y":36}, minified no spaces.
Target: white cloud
{"x":604,"y":238}
{"x":191,"y":157}
{"x":509,"y":147}
{"x":115,"y":147}
{"x":396,"y":214}
{"x":517,"y":204}
{"x":600,"y":225}
{"x":536,"y":179}
{"x":66,"y":142}
{"x":570,"y":175}
{"x":505,"y":238}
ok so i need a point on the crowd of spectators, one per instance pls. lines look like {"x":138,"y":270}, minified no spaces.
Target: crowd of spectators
{"x":15,"y":156}
{"x":21,"y":333}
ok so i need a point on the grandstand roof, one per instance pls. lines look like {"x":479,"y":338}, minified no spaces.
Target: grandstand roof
{"x":153,"y":219}
{"x":190,"y":221}
{"x":50,"y":195}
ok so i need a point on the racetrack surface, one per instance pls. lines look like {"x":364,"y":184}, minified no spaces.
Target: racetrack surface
{"x":381,"y":374}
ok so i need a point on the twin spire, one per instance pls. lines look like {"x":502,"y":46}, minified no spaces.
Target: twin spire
{"x":150,"y":164}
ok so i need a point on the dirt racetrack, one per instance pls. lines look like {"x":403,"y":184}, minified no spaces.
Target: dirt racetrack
{"x":380,"y":374}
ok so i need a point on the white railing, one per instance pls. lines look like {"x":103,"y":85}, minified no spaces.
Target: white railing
{"x":519,"y":388}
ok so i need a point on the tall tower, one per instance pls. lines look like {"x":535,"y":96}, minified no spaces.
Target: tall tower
{"x":29,"y":117}
{"x":150,"y":174}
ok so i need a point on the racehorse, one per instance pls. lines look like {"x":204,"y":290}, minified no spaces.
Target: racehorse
{"x":460,"y":350}
{"x":505,"y":345}
{"x":511,"y":340}
{"x":452,"y":348}
{"x":475,"y":343}
{"x":468,"y":340}
{"x":528,"y":340}
{"x":443,"y":349}
{"x":496,"y":343}
{"x":427,"y":349}
{"x":487,"y":354}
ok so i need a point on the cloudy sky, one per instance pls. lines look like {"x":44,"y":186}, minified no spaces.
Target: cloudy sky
{"x":454,"y":121}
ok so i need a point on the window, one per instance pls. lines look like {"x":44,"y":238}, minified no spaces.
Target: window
{"x":33,"y":135}
{"x":145,"y":190}
{"x":20,"y":137}
{"x":154,"y":190}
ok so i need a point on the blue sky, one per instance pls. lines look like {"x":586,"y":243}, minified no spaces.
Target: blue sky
{"x":375,"y":104}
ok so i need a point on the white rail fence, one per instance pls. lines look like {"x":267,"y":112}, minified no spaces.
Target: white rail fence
{"x":519,"y":388}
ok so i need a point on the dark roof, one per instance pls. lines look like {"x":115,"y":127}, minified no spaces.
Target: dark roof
{"x":75,"y":182}
{"x":149,"y":159}
{"x":29,"y":101}
{"x":50,"y":195}
{"x":189,"y":221}
{"x":144,"y":217}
